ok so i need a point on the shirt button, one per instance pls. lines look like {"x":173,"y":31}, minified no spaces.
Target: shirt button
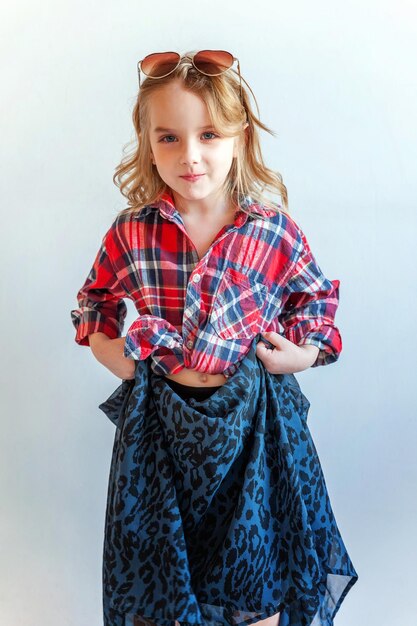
{"x":189,"y":344}
{"x":196,"y":278}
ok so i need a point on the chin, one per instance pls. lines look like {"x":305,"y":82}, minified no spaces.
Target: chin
{"x":192,"y":194}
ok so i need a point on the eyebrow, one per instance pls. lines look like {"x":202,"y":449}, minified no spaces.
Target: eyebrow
{"x":160,"y":129}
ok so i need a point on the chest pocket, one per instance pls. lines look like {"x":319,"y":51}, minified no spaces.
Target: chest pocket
{"x":237,"y":308}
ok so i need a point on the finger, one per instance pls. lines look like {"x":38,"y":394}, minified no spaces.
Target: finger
{"x":269,"y":357}
{"x":261,"y":347}
{"x":276,"y":339}
{"x":265,"y":344}
{"x":265,"y":353}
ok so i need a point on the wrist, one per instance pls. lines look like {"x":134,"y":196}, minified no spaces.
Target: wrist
{"x":311,"y":353}
{"x":97,"y":337}
{"x":98,"y":342}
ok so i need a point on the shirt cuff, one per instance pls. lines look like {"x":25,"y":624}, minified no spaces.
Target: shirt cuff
{"x":326,"y":338}
{"x":85,"y":326}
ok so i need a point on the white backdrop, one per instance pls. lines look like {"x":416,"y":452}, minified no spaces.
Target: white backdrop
{"x":337,"y":83}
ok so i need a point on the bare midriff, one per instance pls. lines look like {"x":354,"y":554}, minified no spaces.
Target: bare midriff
{"x":197,"y":379}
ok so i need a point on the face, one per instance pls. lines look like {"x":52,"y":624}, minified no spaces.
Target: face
{"x":189,"y":144}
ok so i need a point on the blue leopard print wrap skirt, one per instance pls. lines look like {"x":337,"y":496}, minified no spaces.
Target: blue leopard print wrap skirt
{"x":217,"y":510}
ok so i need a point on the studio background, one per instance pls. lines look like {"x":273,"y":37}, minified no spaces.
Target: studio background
{"x":337,"y":84}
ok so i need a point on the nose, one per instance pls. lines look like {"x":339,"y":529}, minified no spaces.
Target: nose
{"x":190,"y":152}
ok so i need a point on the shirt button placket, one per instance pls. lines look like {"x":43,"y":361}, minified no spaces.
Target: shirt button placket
{"x":195,"y":279}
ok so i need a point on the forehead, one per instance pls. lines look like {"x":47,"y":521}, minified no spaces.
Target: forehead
{"x":173,"y":106}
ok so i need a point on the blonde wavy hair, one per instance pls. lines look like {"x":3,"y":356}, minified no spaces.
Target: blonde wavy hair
{"x":136,"y":175}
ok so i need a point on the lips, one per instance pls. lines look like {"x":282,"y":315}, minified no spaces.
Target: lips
{"x":192,"y":176}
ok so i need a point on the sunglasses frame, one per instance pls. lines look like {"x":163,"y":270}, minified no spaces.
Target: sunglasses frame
{"x":191,"y":58}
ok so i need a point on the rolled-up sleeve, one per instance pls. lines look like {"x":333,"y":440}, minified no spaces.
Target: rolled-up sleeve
{"x":100,"y":300}
{"x":310,"y":301}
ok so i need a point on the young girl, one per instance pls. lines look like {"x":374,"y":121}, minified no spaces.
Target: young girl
{"x":217,"y":508}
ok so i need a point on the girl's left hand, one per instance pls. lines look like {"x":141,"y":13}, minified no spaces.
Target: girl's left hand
{"x":286,"y":357}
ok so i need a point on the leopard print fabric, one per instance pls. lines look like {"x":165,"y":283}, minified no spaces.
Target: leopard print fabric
{"x":217,"y":510}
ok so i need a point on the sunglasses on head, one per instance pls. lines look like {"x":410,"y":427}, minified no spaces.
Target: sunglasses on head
{"x":209,"y":62}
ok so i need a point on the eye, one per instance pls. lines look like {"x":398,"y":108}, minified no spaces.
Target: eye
{"x":210,"y":133}
{"x":162,"y":140}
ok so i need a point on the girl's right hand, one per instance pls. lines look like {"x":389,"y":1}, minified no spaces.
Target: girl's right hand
{"x":109,"y":352}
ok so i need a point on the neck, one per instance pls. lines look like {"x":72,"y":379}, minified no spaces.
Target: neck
{"x":207,"y":208}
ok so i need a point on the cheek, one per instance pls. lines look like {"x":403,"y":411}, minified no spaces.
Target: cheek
{"x":223,"y":154}
{"x":162,"y":157}
{"x":226,"y":159}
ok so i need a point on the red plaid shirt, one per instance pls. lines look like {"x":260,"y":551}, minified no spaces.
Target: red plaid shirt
{"x":203,"y":314}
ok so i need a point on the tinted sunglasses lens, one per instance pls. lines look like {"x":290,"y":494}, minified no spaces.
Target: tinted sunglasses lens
{"x":159,"y":63}
{"x":213,"y":61}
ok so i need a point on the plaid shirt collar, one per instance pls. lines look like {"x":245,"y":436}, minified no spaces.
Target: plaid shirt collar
{"x":167,"y":208}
